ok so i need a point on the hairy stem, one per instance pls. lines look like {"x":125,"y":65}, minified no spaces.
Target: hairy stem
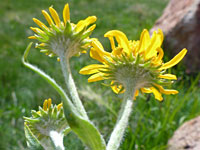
{"x":65,"y":66}
{"x":57,"y":140}
{"x":122,"y":122}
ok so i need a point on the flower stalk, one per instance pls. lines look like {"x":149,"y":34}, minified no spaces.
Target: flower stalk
{"x":122,"y":121}
{"x":65,"y":66}
{"x":57,"y":139}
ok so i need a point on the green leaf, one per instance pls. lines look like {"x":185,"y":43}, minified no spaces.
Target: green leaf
{"x":32,"y":141}
{"x":85,"y":130}
{"x":66,"y":131}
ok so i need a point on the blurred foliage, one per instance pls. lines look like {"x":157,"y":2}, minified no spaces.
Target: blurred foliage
{"x":152,"y":123}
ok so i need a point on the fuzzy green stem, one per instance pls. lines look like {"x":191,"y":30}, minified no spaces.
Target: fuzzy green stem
{"x":57,"y":140}
{"x":65,"y":66}
{"x":122,"y":122}
{"x":66,"y":131}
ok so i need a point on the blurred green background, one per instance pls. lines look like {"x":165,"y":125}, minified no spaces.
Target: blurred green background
{"x":152,"y":123}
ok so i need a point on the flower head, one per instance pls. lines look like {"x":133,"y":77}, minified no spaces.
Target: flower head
{"x":62,"y":37}
{"x":136,"y":64}
{"x":48,"y":120}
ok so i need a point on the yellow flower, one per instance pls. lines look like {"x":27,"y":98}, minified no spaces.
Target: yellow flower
{"x":50,"y":117}
{"x":46,"y":124}
{"x":62,"y":37}
{"x":133,"y":63}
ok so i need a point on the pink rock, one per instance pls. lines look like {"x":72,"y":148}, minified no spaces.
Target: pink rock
{"x":180,"y":23}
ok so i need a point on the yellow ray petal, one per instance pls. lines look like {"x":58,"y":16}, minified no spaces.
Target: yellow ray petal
{"x":168,"y":76}
{"x":49,"y":103}
{"x":54,"y":15}
{"x":96,"y":41}
{"x":117,"y":51}
{"x":136,"y":94}
{"x":169,"y":91}
{"x":90,"y":69}
{"x":156,"y":42}
{"x":135,"y":47}
{"x":59,"y":106}
{"x":146,"y":90}
{"x":40,"y":24}
{"x":40,"y":45}
{"x":112,"y":42}
{"x":97,"y":45}
{"x":66,"y":13}
{"x":45,"y":105}
{"x":95,"y":54}
{"x":161,"y":35}
{"x":174,"y":60}
{"x":166,"y":91}
{"x":84,"y":23}
{"x":150,"y":51}
{"x":159,"y":57}
{"x":36,"y":30}
{"x":116,"y":88}
{"x":96,"y":77}
{"x":157,"y":94}
{"x":91,"y":28}
{"x":84,"y":52}
{"x":32,"y":37}
{"x":98,"y":53}
{"x":144,"y":40}
{"x":47,"y":17}
{"x":121,"y":38}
